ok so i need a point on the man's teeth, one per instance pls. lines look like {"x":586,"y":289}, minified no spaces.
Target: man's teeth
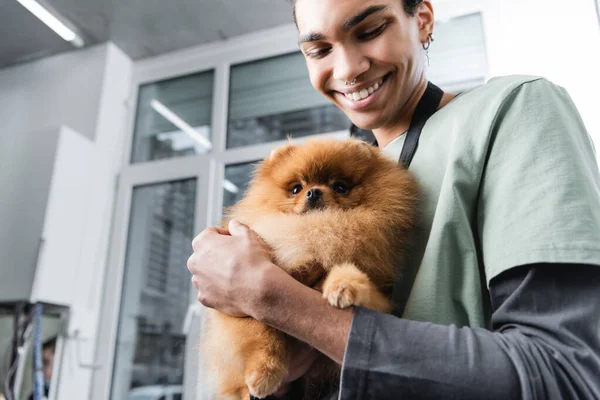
{"x":364,"y":93}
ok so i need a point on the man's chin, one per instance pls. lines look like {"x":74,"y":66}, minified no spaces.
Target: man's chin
{"x":367,"y":124}
{"x":366,"y":120}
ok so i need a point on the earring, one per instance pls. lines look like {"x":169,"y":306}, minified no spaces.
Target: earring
{"x":426,"y":47}
{"x":430,"y":39}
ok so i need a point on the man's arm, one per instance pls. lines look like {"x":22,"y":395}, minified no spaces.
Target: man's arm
{"x":300,"y":311}
{"x":545,"y":342}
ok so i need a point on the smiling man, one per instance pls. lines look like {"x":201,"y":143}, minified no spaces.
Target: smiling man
{"x":504,"y":300}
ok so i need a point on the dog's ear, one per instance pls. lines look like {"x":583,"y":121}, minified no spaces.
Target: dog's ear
{"x":364,"y":148}
{"x":279,"y":153}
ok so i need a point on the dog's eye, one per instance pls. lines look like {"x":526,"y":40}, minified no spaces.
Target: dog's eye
{"x":296,"y":189}
{"x":340,"y":187}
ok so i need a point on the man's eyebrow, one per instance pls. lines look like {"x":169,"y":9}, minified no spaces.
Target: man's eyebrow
{"x":346,"y":26}
{"x":311,"y":37}
{"x":358,"y":18}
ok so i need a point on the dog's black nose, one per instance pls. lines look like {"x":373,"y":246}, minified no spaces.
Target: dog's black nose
{"x":314,"y":195}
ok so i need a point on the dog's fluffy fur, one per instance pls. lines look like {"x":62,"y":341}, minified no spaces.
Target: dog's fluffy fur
{"x":348,"y":244}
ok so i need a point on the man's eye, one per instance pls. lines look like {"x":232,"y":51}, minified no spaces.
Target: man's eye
{"x":318,"y":53}
{"x":372,"y":34}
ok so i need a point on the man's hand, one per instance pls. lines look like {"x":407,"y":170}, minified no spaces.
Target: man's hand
{"x":229,"y":267}
{"x":233,"y":273}
{"x":303,"y":356}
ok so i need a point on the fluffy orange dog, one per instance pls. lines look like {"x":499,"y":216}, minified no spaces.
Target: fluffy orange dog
{"x":336,"y":215}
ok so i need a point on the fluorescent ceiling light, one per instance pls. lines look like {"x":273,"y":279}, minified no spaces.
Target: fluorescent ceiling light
{"x":179,"y":141}
{"x":230,"y":186}
{"x":52,"y":22}
{"x":179,"y":123}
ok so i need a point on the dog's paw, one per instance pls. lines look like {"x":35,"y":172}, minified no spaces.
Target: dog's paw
{"x":347,"y":286}
{"x":265,"y":382}
{"x":340,"y":293}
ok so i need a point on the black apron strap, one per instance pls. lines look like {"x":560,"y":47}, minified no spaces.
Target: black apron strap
{"x":426,"y":107}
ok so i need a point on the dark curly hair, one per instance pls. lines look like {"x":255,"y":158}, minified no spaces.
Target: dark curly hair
{"x":410,"y":6}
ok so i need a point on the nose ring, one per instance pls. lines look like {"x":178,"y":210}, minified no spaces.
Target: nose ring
{"x":350,"y":83}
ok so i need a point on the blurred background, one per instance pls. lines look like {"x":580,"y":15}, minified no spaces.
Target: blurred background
{"x":128,"y":126}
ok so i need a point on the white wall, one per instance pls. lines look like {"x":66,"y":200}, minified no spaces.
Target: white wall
{"x":559,"y":40}
{"x":60,"y":90}
{"x":86,"y":91}
{"x":35,"y":99}
{"x":23,"y":196}
{"x":109,"y":137}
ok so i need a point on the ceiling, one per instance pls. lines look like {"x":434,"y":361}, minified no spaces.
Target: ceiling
{"x":141,"y":28}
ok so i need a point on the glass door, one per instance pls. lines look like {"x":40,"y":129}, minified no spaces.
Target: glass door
{"x":150,"y":347}
{"x":148,"y":290}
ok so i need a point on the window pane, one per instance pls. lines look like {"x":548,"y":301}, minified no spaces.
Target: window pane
{"x":150,"y":344}
{"x":272,"y":99}
{"x":174,"y":118}
{"x":237,"y":178}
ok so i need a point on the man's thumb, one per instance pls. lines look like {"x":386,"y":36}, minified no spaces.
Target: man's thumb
{"x":237,"y":229}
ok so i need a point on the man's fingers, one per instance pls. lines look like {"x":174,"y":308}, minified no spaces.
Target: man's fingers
{"x":207,"y":233}
{"x":303,"y":359}
{"x":282,"y":391}
{"x":307,"y":357}
{"x":221,"y":231}
{"x":191,"y":263}
{"x":203,"y":299}
{"x":238,"y":229}
{"x":195,"y":282}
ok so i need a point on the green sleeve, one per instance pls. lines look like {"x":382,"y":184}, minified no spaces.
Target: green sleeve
{"x":539,"y":200}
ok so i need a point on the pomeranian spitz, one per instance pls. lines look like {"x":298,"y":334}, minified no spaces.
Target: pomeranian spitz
{"x":336,"y":216}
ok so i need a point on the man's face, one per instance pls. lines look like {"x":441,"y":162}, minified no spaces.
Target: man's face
{"x":373,"y":41}
{"x":47,"y":363}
